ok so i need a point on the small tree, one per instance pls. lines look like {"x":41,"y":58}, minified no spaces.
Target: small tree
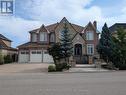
{"x":105,"y":45}
{"x":55,"y":52}
{"x":66,"y":43}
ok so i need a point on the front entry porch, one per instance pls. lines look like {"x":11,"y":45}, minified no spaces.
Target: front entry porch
{"x":81,"y":59}
{"x":78,"y":54}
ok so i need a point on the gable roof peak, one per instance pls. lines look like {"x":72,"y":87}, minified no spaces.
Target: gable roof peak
{"x":90,"y":22}
{"x":64,"y":20}
{"x":64,"y":17}
{"x":43,"y":27}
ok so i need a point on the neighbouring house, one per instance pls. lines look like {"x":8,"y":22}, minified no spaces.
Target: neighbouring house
{"x":84,"y":41}
{"x":6,"y":49}
{"x":114,"y":27}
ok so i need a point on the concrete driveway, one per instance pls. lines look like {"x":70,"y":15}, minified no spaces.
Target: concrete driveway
{"x":24,"y":68}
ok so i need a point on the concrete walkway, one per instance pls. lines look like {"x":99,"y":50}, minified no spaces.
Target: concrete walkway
{"x":86,"y":68}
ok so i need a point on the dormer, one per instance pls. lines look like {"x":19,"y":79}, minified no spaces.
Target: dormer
{"x":43,"y":35}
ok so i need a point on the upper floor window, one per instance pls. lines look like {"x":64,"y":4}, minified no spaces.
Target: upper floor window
{"x":43,"y":36}
{"x":90,"y":49}
{"x":52,"y":37}
{"x":89,"y":35}
{"x":34,"y":37}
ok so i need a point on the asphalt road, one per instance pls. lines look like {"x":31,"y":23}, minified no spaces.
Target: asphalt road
{"x":107,"y":83}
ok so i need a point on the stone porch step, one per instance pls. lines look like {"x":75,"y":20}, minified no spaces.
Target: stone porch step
{"x":85,"y":66}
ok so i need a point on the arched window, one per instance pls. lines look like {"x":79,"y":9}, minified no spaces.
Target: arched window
{"x":78,"y":49}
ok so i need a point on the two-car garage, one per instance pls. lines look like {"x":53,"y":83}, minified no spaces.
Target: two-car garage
{"x":34,"y":56}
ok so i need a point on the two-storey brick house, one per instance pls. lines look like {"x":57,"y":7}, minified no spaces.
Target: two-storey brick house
{"x":6,"y":49}
{"x":84,"y":41}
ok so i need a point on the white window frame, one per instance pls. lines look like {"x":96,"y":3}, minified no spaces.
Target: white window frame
{"x":24,"y":52}
{"x":89,"y":35}
{"x":34,"y":37}
{"x":89,"y":46}
{"x":43,"y":36}
{"x":36,"y":52}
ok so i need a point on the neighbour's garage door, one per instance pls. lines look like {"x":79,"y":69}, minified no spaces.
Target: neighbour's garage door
{"x":36,"y":56}
{"x":46,"y":57}
{"x":23,"y":56}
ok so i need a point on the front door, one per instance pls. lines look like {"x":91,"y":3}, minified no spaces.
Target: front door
{"x":78,"y":50}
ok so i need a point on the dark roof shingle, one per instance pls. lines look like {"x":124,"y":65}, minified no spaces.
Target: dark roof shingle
{"x":4,"y":38}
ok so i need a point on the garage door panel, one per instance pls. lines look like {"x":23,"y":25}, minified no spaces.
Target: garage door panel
{"x":23,"y":56}
{"x":36,"y":56}
{"x":47,"y":58}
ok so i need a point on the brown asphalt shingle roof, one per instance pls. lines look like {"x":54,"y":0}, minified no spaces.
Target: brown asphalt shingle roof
{"x":33,"y":45}
{"x":4,"y":38}
{"x":114,"y":27}
{"x":4,"y":46}
{"x":78,"y":28}
{"x":51,"y":28}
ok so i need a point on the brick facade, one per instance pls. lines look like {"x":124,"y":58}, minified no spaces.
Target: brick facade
{"x":78,"y":35}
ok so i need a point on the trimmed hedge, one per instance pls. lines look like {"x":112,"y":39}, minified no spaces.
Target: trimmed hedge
{"x":51,"y":68}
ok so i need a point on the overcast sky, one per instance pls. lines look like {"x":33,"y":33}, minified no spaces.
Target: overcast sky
{"x":31,"y":14}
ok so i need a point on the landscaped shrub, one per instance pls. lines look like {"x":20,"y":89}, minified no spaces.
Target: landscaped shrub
{"x":66,"y":66}
{"x":7,"y":59}
{"x":51,"y":68}
{"x":61,"y":66}
{"x":1,"y":59}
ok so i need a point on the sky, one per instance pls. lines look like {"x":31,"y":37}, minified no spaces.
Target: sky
{"x":31,"y":14}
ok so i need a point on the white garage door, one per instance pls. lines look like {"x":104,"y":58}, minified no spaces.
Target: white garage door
{"x":23,"y":56}
{"x":46,"y":57}
{"x":36,"y":56}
